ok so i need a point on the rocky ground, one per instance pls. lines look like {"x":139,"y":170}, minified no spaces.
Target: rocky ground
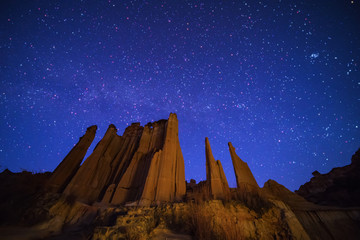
{"x":271,"y":213}
{"x":203,"y":220}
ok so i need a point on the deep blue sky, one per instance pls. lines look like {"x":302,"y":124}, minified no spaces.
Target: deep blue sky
{"x":278,"y":79}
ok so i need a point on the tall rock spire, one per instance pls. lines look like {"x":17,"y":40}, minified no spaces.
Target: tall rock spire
{"x":130,"y":142}
{"x":242,"y":171}
{"x":156,"y":172}
{"x":223,"y":178}
{"x":215,"y":176}
{"x":171,"y":180}
{"x":71,"y":163}
{"x":89,"y":181}
{"x":132,"y":182}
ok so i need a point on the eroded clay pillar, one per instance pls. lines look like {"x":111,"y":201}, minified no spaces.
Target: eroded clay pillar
{"x":66,"y":170}
{"x":243,"y":173}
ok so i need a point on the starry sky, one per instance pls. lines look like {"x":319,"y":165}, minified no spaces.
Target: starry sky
{"x":279,"y":79}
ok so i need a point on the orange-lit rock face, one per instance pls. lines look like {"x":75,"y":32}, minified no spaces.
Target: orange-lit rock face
{"x":144,"y":165}
{"x":156,"y":173}
{"x":71,"y":163}
{"x":171,"y":177}
{"x":243,"y":173}
{"x":215,"y":176}
{"x":92,"y":175}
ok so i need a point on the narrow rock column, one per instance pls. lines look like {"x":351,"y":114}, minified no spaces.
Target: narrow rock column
{"x":171,"y":177}
{"x":218,"y":187}
{"x":223,"y":179}
{"x":242,"y":171}
{"x":88,"y":181}
{"x":130,"y":143}
{"x":64,"y":172}
{"x":149,"y":192}
{"x":180,"y":184}
{"x":130,"y":186}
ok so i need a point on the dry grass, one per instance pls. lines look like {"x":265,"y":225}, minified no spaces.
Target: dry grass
{"x":249,"y":196}
{"x":207,"y":223}
{"x":201,"y":223}
{"x":133,"y":233}
{"x":230,"y":231}
{"x":252,"y":198}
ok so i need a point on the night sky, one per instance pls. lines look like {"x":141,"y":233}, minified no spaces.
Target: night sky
{"x":278,"y":79}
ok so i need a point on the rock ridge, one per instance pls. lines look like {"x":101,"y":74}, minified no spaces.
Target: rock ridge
{"x":339,"y":187}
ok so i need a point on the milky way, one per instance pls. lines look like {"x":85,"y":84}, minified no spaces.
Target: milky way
{"x":280,"y":80}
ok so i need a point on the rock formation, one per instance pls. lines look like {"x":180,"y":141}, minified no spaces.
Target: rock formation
{"x":144,"y":165}
{"x":91,"y":178}
{"x":71,"y":163}
{"x":215,"y":176}
{"x":129,"y":143}
{"x":339,"y":187}
{"x":242,"y":171}
{"x":156,"y":172}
